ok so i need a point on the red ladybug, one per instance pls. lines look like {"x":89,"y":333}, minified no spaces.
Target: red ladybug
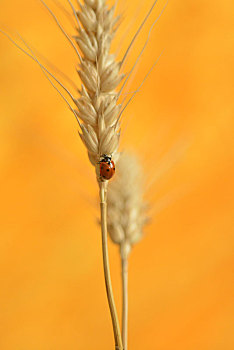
{"x":107,"y":167}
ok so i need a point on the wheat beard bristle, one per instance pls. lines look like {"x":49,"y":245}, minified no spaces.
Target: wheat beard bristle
{"x":99,"y":72}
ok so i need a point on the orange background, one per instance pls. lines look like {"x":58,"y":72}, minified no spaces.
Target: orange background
{"x":52,"y":294}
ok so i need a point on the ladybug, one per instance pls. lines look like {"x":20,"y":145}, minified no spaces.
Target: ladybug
{"x":107,"y":167}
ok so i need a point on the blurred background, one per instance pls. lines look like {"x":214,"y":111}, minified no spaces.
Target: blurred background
{"x":52,"y":294}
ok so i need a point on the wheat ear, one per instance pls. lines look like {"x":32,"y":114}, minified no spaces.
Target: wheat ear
{"x":126,"y":218}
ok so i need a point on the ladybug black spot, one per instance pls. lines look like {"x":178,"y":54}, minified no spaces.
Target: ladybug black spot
{"x":107,"y":169}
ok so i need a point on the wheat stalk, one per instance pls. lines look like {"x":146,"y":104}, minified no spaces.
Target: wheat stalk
{"x":98,"y":109}
{"x":126,"y":218}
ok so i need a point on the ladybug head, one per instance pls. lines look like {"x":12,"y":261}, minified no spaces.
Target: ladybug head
{"x":105,"y":158}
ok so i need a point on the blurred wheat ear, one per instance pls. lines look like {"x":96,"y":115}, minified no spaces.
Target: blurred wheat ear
{"x":126,"y":218}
